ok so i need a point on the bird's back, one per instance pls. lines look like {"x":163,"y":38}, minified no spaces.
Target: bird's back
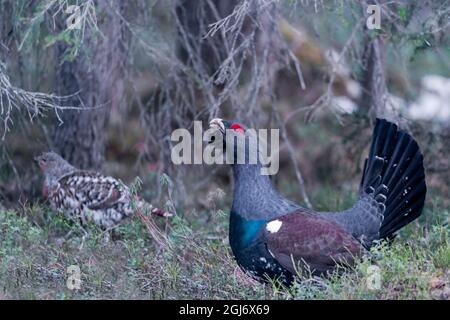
{"x":91,"y":196}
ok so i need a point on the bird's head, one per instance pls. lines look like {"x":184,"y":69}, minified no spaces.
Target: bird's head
{"x":53,"y":165}
{"x":234,"y":137}
{"x":248,"y":147}
{"x":224,"y":125}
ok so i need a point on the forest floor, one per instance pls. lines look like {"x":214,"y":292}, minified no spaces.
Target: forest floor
{"x":198,"y":264}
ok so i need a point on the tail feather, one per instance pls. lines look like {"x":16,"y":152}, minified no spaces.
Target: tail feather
{"x":400,"y":146}
{"x":414,"y":211}
{"x":407,"y":210}
{"x":394,"y":176}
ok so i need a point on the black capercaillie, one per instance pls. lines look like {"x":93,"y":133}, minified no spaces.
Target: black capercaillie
{"x":273,"y":237}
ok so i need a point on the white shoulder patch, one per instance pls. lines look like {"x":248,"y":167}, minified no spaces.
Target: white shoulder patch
{"x":274,"y":226}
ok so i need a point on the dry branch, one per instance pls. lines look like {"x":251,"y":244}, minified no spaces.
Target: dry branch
{"x":33,"y":103}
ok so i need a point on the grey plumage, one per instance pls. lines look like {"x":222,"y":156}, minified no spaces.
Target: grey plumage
{"x":255,"y":197}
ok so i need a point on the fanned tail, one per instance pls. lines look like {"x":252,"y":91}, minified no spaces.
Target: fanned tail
{"x":394,"y":176}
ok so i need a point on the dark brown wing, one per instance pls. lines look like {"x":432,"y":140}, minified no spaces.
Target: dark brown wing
{"x":93,"y":189}
{"x":301,"y":238}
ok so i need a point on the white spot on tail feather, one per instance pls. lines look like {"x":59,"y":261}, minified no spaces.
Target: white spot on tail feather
{"x":274,"y":226}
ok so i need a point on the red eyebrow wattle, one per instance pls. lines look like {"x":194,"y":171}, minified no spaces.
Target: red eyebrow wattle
{"x":236,"y":126}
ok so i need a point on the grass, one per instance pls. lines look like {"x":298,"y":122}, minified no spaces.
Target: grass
{"x":34,"y":259}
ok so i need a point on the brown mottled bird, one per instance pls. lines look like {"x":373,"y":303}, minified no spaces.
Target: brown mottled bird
{"x":89,"y":196}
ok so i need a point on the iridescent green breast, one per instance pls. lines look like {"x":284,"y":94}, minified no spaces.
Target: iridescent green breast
{"x":243,"y":231}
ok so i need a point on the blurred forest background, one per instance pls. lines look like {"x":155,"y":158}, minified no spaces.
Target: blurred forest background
{"x":107,"y":93}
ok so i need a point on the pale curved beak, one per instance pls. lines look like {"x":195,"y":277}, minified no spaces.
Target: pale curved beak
{"x":217,"y":124}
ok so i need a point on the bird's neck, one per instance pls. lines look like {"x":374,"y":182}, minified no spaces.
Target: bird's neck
{"x":254,"y":195}
{"x":53,"y":175}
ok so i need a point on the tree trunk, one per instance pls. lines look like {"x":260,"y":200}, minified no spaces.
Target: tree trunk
{"x":80,"y":138}
{"x":374,"y":82}
{"x":96,"y":75}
